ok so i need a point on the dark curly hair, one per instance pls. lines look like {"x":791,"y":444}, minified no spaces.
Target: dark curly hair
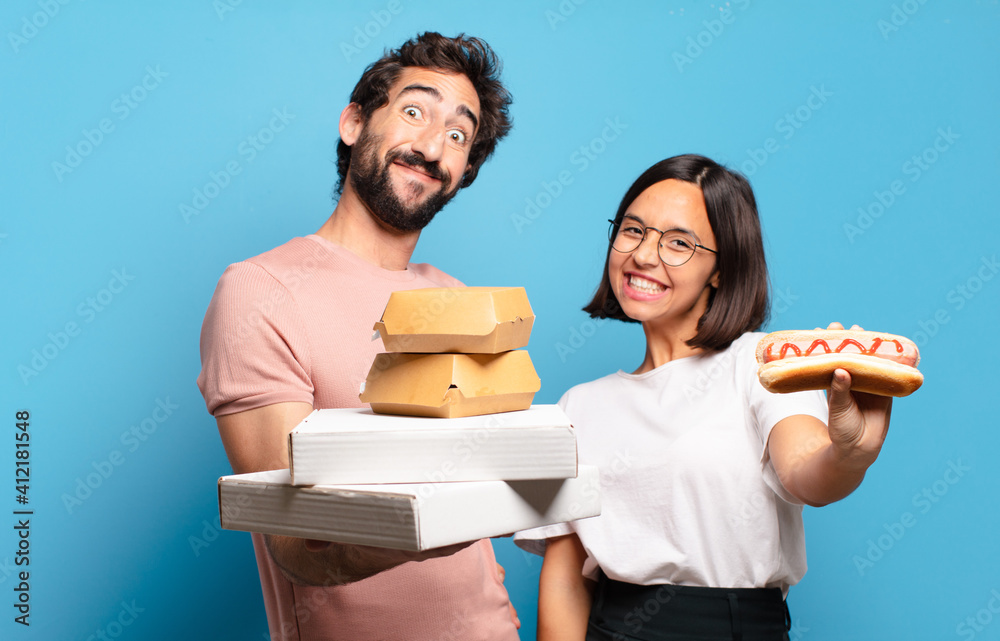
{"x":465,"y":55}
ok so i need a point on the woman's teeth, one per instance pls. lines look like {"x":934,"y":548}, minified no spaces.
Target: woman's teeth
{"x":645,"y":286}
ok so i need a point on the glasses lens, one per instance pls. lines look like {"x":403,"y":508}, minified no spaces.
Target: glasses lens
{"x":628,"y":237}
{"x":676,"y":248}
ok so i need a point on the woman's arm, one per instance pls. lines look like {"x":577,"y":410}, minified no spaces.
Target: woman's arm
{"x":820,"y":464}
{"x":564,"y":595}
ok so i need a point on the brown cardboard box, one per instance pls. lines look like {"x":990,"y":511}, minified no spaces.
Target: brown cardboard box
{"x":450,"y":385}
{"x":467,"y":320}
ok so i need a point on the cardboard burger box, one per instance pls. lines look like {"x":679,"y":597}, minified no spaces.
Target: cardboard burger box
{"x":413,"y":516}
{"x":356,"y":446}
{"x":450,"y":385}
{"x":467,"y":320}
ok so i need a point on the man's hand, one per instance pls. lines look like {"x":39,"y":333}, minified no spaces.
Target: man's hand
{"x":513,"y":612}
{"x":256,"y":440}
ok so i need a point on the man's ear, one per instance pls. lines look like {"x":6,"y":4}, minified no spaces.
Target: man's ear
{"x":351,"y":123}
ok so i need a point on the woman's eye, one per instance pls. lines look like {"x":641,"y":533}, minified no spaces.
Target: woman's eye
{"x":457,"y":135}
{"x":679,"y":242}
{"x":632,"y":231}
{"x":413,"y":112}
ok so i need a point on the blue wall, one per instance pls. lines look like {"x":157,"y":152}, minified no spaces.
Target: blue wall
{"x":143,"y":151}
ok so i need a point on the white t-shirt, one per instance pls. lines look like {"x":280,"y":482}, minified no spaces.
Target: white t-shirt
{"x":688,"y":493}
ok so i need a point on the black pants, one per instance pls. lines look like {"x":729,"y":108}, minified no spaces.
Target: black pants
{"x":628,"y":612}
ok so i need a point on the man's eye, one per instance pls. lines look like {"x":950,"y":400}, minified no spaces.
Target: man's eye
{"x":458,"y":136}
{"x":413,"y":112}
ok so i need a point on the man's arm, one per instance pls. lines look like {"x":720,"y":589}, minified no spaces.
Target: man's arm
{"x":256,"y":440}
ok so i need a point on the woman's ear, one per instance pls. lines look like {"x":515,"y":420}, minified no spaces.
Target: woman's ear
{"x":351,"y":124}
{"x":714,"y":280}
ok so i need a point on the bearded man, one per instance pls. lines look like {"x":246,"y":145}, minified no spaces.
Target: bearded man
{"x":290,"y":331}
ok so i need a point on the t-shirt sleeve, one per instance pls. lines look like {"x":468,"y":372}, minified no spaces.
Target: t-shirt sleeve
{"x":254,"y":347}
{"x":767,"y":409}
{"x":535,"y":540}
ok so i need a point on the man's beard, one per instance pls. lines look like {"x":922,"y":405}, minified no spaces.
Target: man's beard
{"x":375,"y":190}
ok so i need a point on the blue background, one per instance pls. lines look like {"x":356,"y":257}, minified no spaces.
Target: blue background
{"x":868,"y":130}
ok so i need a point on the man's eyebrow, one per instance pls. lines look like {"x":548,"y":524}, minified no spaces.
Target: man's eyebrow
{"x":462,"y":110}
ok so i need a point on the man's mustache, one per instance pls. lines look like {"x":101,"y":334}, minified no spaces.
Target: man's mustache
{"x":432,"y":168}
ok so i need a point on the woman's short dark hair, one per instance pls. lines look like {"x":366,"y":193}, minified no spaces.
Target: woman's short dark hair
{"x":469,"y":56}
{"x":740,"y":304}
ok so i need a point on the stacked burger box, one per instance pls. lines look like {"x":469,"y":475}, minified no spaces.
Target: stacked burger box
{"x":451,"y":449}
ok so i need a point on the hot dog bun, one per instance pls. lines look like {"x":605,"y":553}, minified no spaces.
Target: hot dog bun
{"x":879,"y":363}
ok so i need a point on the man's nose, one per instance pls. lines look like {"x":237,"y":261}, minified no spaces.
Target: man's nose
{"x":429,"y":143}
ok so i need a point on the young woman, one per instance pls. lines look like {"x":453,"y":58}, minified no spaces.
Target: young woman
{"x":703,"y":472}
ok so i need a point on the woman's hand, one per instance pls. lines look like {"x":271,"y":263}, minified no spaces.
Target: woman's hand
{"x":858,"y":421}
{"x":820,"y":464}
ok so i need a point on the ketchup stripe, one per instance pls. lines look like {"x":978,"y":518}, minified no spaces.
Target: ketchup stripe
{"x":786,"y":347}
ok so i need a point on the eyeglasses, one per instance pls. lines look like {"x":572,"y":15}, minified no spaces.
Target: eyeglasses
{"x":675,"y":247}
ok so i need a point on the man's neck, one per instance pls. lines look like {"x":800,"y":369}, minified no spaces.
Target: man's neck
{"x":353,"y":227}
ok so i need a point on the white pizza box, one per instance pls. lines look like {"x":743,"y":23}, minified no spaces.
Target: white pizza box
{"x":358,"y":446}
{"x":410,"y":516}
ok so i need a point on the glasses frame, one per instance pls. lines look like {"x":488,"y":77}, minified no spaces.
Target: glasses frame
{"x":613,"y":232}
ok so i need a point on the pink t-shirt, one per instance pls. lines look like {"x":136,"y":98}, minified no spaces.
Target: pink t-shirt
{"x":295,"y":324}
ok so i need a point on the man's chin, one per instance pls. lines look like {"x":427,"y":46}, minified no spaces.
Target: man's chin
{"x":413,"y":194}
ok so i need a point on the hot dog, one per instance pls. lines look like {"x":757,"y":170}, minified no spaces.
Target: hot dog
{"x":879,"y":363}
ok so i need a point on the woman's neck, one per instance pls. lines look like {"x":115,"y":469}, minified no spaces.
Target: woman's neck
{"x":664,"y":345}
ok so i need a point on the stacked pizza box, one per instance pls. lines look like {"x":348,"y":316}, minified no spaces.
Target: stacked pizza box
{"x":451,"y":450}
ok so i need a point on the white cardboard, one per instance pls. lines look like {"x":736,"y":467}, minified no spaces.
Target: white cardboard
{"x":358,"y":446}
{"x":413,"y":516}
